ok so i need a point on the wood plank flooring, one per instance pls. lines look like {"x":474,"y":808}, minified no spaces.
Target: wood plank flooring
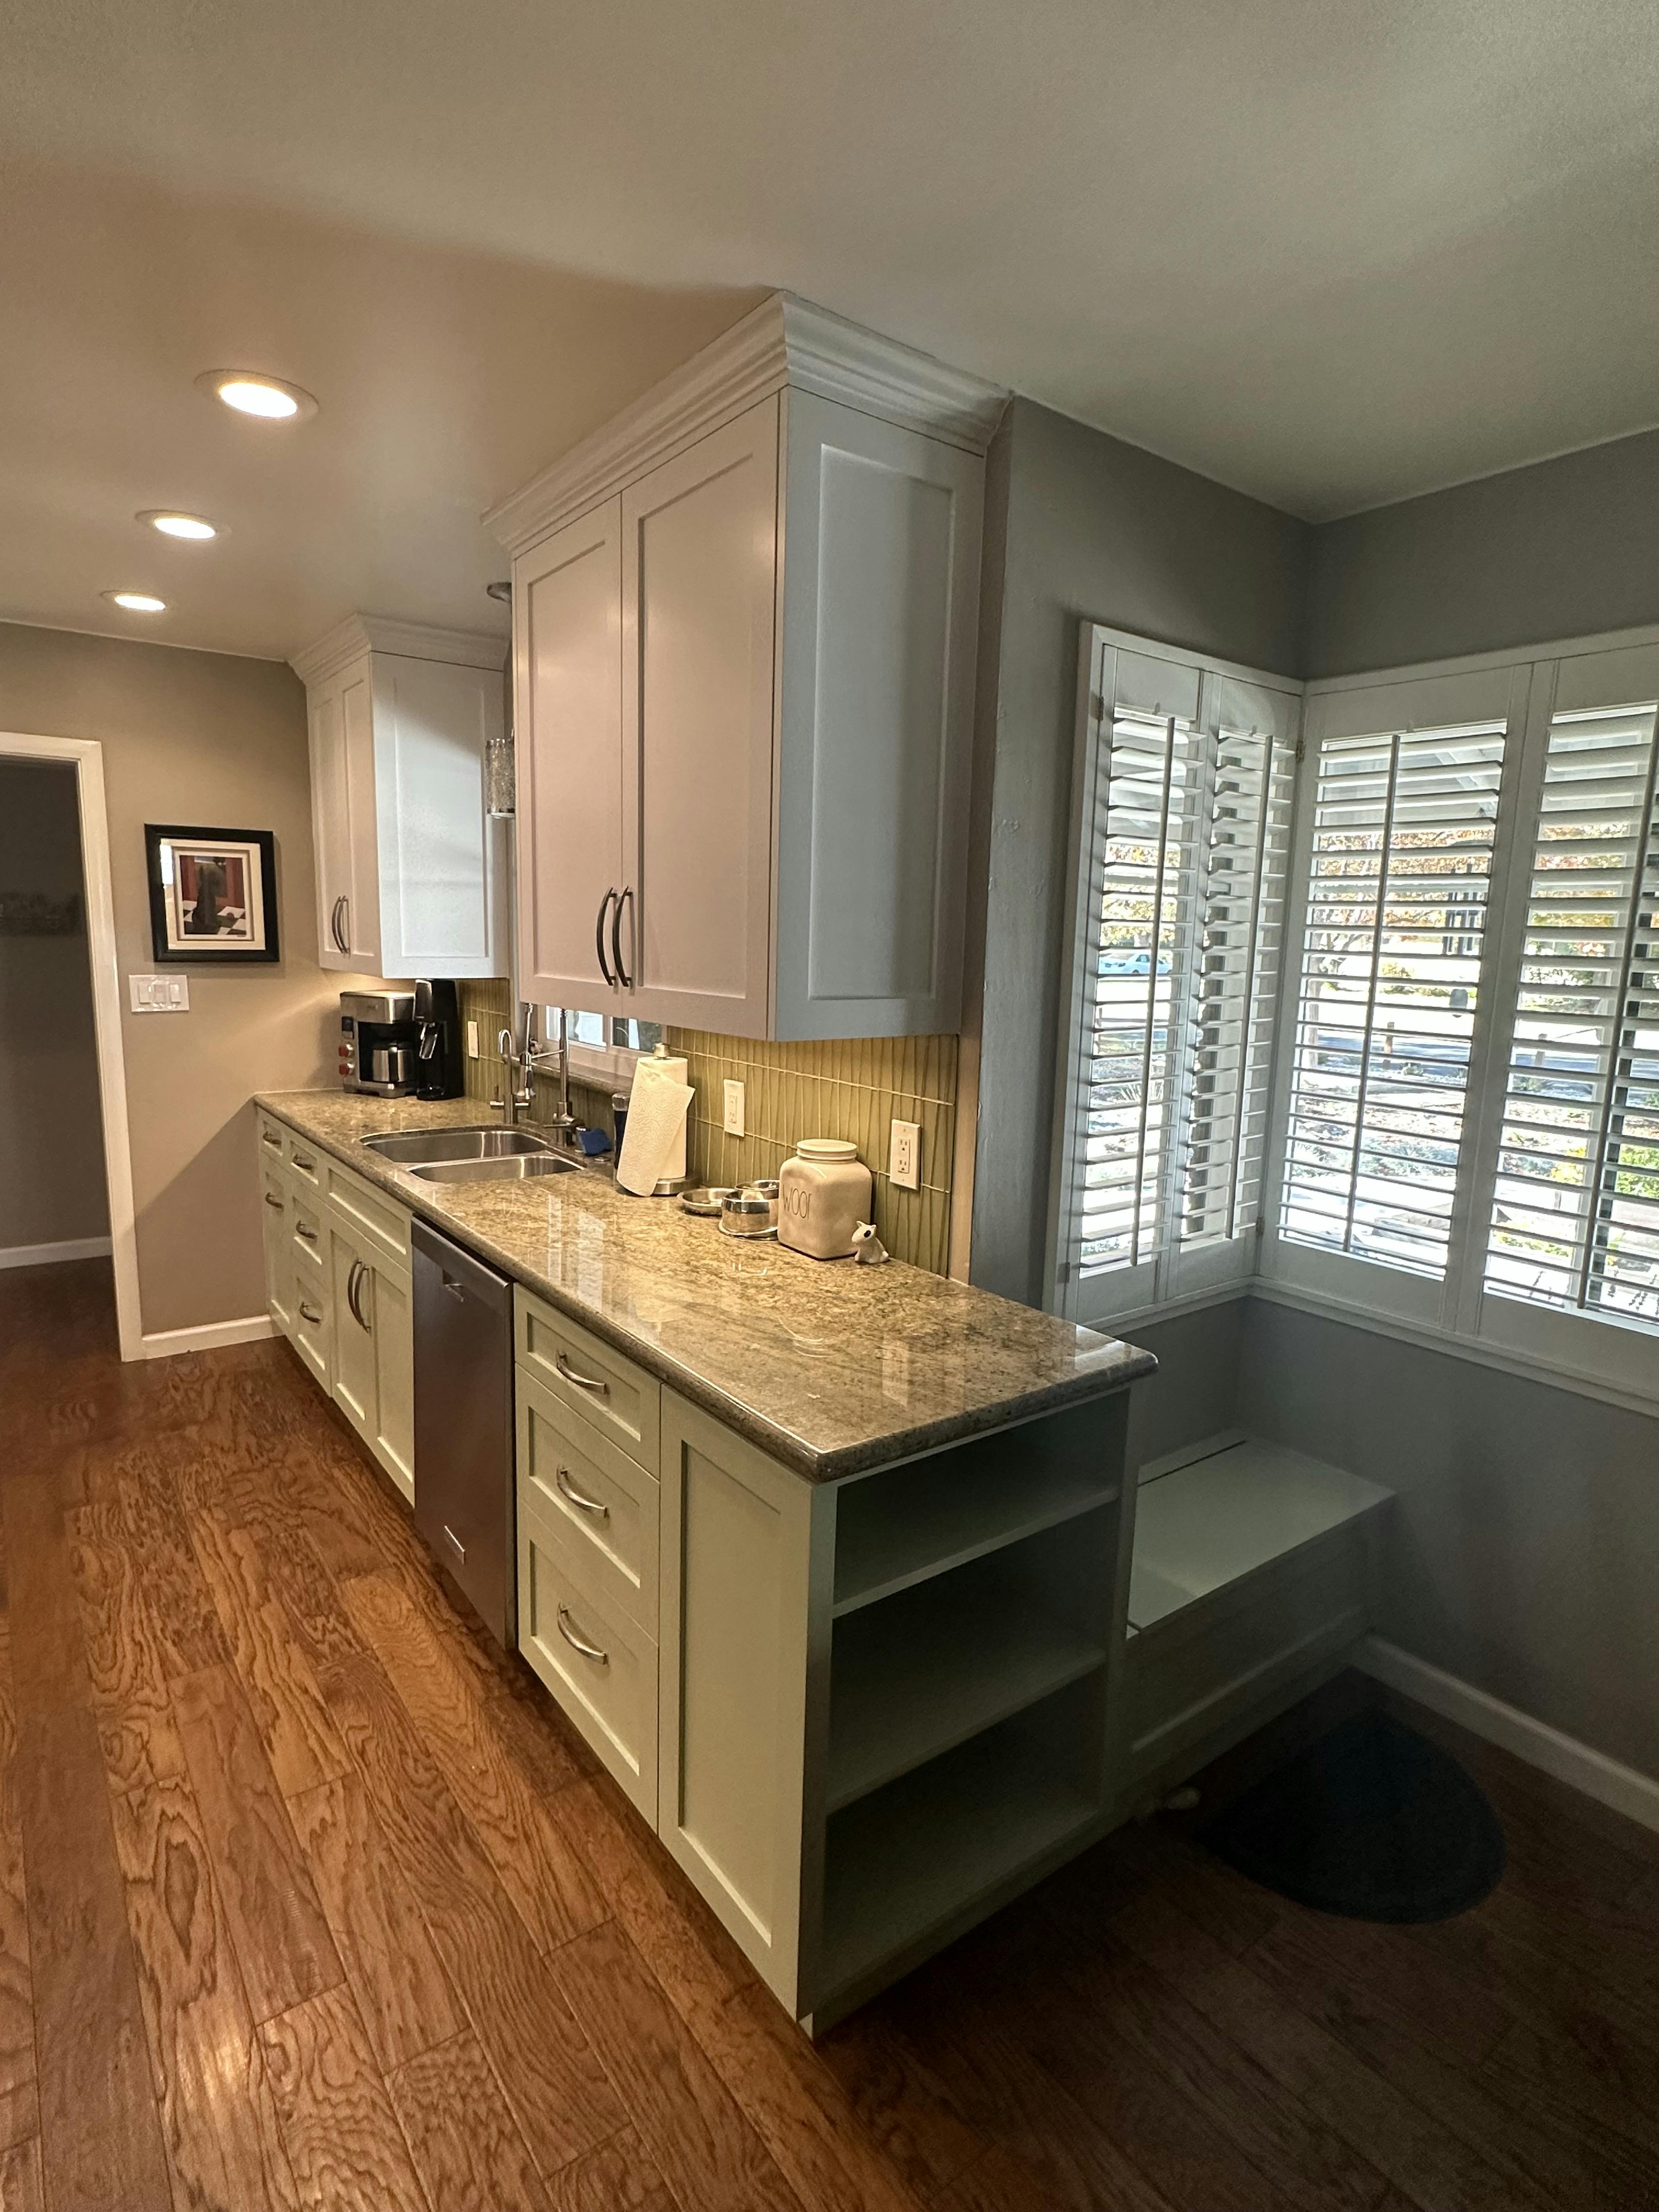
{"x":309,"y":1898}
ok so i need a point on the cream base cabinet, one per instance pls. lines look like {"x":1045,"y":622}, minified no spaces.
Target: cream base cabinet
{"x":374,"y":1352}
{"x":744,"y":628}
{"x":277,"y":1229}
{"x":410,"y":879}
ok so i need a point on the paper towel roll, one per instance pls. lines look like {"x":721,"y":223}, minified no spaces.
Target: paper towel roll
{"x":654,"y":1148}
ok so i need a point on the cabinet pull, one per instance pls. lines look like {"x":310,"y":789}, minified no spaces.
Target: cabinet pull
{"x":310,"y":1314}
{"x":580,"y":1644}
{"x":598,"y":939}
{"x":567,"y":1489}
{"x":306,"y":1167}
{"x":277,"y":1202}
{"x":623,"y":897}
{"x":582,"y":1382}
{"x":300,"y":1228}
{"x":334,"y":925}
{"x":354,"y":1284}
{"x":269,"y":1137}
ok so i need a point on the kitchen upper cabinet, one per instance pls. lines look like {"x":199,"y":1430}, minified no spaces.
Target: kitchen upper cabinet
{"x":567,"y":680}
{"x":744,"y":628}
{"x":409,"y":880}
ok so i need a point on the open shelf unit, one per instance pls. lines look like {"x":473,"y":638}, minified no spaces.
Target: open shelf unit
{"x":925,"y":1670}
{"x":905,"y":1528}
{"x":917,"y":1857}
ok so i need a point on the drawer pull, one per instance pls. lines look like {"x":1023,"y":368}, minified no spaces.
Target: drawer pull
{"x":277,"y":1202}
{"x":306,"y":1167}
{"x":576,"y":1642}
{"x":300,"y":1230}
{"x":581,"y":1381}
{"x":567,"y":1489}
{"x":310,"y":1314}
{"x":269,"y":1137}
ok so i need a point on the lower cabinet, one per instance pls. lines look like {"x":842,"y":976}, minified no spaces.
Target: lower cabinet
{"x":337,"y":1286}
{"x":374,"y":1352}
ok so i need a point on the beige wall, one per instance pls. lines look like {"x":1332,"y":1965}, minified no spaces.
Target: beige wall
{"x":194,"y":737}
{"x":51,"y":1157}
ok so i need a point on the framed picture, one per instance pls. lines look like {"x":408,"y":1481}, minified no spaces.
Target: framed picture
{"x":212,"y":894}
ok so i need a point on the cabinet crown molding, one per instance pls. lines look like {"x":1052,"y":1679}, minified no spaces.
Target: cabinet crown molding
{"x":783,"y":342}
{"x":359,"y":633}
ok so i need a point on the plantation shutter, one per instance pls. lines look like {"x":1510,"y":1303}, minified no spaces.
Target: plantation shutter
{"x":1187,"y":792}
{"x":1392,"y":941}
{"x":1574,"y":1220}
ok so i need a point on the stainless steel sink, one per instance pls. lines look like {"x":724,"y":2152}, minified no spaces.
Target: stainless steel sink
{"x":512,"y":1167}
{"x":408,"y":1148}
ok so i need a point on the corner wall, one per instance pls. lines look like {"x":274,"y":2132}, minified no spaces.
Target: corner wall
{"x":203,"y":739}
{"x":1092,"y":529}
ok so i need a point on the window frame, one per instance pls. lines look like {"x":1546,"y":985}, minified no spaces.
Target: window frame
{"x":1181,"y":1276}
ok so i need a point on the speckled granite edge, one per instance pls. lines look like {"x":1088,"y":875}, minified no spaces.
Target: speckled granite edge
{"x":796,"y":1355}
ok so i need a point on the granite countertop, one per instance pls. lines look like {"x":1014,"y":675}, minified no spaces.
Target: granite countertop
{"x":831,"y":1367}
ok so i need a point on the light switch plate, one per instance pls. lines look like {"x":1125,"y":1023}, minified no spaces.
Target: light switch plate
{"x":472,"y":1040}
{"x":734,"y":1108}
{"x":160,"y":995}
{"x":904,"y":1155}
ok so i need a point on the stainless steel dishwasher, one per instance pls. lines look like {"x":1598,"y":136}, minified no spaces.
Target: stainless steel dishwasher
{"x":465,"y":1505}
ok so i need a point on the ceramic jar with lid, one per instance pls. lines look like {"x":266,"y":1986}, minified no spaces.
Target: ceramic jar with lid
{"x":824,"y":1193}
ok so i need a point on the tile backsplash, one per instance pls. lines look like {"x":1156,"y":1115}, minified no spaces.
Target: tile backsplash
{"x":850,"y":1088}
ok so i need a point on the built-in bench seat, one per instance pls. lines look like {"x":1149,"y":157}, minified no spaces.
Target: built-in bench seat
{"x":1249,"y":1587}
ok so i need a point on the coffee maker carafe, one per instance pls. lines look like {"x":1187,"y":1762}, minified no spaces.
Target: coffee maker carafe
{"x":439,"y":1072}
{"x":378,"y":1042}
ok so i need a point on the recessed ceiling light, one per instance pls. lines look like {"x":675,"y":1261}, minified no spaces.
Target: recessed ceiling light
{"x":266,"y":397}
{"x":172,"y":524}
{"x":138,"y":602}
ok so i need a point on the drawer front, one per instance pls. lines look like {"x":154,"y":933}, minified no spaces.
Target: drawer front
{"x":600,"y":1665}
{"x":310,"y":1233}
{"x":604,"y":1386}
{"x":601,"y":1503}
{"x":311,"y":1339}
{"x":378,"y":1221}
{"x":272,"y":1135}
{"x":304,"y":1161}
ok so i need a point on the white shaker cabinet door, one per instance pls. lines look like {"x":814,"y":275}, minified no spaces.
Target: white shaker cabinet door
{"x":432,"y":720}
{"x":567,"y":594}
{"x":881,"y":613}
{"x":700,"y":542}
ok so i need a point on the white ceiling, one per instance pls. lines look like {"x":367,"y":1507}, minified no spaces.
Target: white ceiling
{"x":1332,"y":255}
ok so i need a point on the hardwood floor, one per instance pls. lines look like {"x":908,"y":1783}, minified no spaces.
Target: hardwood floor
{"x":308,"y":1899}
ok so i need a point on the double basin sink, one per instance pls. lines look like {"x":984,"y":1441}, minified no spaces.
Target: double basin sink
{"x":487,"y":1155}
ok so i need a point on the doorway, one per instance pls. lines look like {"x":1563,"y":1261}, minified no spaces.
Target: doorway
{"x":66,"y":1181}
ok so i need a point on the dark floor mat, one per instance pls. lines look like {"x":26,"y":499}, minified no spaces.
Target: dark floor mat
{"x":1373,"y":1822}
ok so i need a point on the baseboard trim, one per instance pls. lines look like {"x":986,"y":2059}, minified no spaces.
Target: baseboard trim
{"x":211,"y":1337}
{"x":48,"y":1256}
{"x":1592,"y":1772}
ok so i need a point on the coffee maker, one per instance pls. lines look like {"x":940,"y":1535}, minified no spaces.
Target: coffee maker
{"x":379,"y":1043}
{"x":439,"y":1071}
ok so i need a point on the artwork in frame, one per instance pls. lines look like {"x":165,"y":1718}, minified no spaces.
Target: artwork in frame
{"x":212,"y":894}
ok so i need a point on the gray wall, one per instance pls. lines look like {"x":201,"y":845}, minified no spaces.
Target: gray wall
{"x":1564,"y":548}
{"x":1524,"y":1553}
{"x":1089,"y":529}
{"x":51,"y":1138}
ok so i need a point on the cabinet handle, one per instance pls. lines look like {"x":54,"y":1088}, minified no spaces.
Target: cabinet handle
{"x":345,"y":923}
{"x":354,"y":1284}
{"x":624,"y":898}
{"x":581,"y":1381}
{"x":269,"y":1137}
{"x":334,"y":925}
{"x":300,"y":1228}
{"x":305,"y":1166}
{"x":310,"y":1314}
{"x":598,"y":939}
{"x":277,"y":1202}
{"x":580,"y":1644}
{"x":567,"y":1489}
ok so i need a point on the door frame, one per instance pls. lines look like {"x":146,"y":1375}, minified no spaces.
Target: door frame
{"x":86,"y":756}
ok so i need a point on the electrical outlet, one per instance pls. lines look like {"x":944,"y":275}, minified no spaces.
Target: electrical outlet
{"x":733,"y":1110}
{"x":472,"y":1040}
{"x":904,"y":1155}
